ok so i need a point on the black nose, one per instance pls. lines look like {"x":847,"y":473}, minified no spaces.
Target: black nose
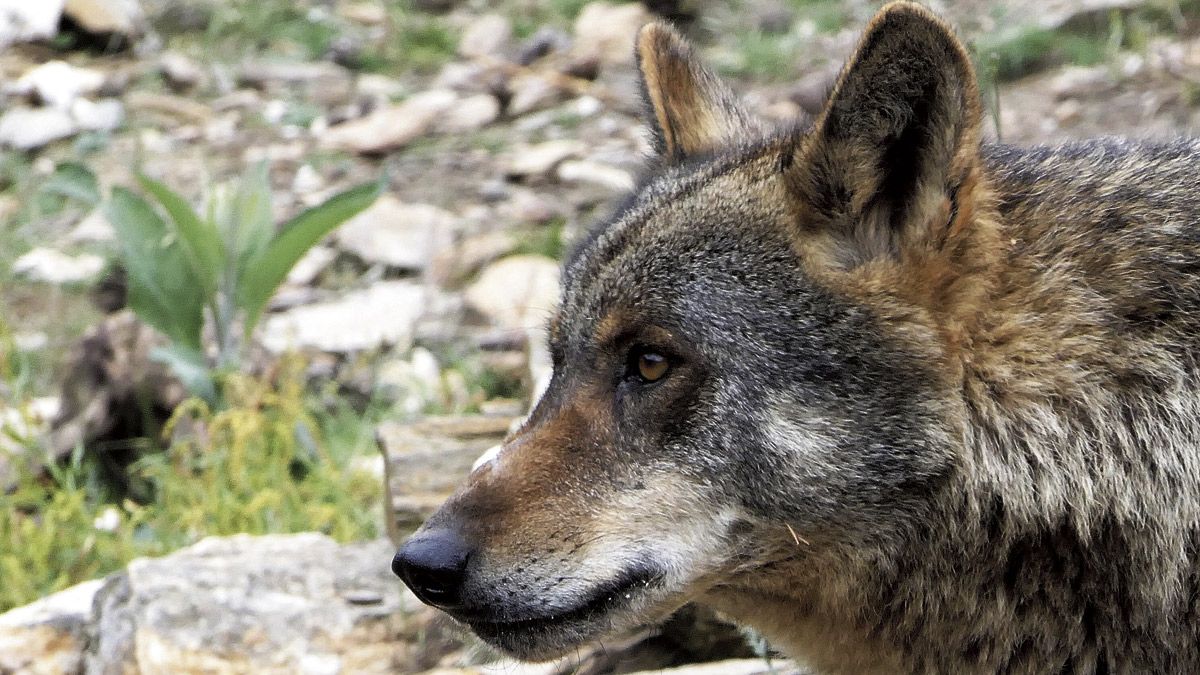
{"x":433,"y":564}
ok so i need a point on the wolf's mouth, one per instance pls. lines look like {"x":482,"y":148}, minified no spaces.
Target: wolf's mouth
{"x":518,"y":632}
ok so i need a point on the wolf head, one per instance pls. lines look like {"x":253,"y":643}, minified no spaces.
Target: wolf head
{"x":748,"y":357}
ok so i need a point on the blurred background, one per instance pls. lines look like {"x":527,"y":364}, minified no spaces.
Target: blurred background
{"x":273,"y":273}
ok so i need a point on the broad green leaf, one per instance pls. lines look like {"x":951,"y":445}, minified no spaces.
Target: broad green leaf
{"x":200,"y":240}
{"x":266,"y":272}
{"x":242,"y":212}
{"x":163,"y":291}
{"x":190,"y":367}
{"x":73,"y":181}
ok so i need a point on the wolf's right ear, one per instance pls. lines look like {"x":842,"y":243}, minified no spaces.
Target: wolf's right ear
{"x":689,"y":109}
{"x":891,"y":160}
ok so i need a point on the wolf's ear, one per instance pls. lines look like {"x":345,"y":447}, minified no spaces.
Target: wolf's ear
{"x":689,"y":110}
{"x":897,"y":139}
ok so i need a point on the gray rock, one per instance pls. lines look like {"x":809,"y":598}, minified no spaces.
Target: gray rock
{"x":48,"y":636}
{"x":486,"y":36}
{"x":55,"y":267}
{"x":310,"y":265}
{"x":530,"y":207}
{"x":180,"y":71}
{"x":454,"y":264}
{"x":93,"y":228}
{"x":532,"y":91}
{"x":1077,"y":81}
{"x":467,"y":76}
{"x":426,"y":460}
{"x":397,"y":234}
{"x":178,"y":108}
{"x":262,"y":74}
{"x":392,"y":127}
{"x":414,"y":382}
{"x":274,"y":604}
{"x":383,"y":314}
{"x":29,"y":128}
{"x":545,"y":41}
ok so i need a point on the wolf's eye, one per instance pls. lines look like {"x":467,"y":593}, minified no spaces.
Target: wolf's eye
{"x":651,"y":366}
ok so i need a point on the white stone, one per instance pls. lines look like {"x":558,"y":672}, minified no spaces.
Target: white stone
{"x":542,"y":158}
{"x":391,"y":127}
{"x":311,"y":264}
{"x":519,"y":291}
{"x":485,"y":36}
{"x":595,"y":173}
{"x":530,"y":92}
{"x":397,"y":234}
{"x":469,"y":114}
{"x":55,"y":267}
{"x":415,"y":382}
{"x":606,"y":31}
{"x":29,"y":128}
{"x":22,"y":20}
{"x":307,"y":180}
{"x":180,"y":71}
{"x":108,"y":520}
{"x":30,"y":341}
{"x":103,"y":115}
{"x":47,"y":636}
{"x":93,"y":228}
{"x":383,"y":314}
{"x":58,"y":83}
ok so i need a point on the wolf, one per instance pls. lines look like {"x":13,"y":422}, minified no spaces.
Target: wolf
{"x":900,"y":398}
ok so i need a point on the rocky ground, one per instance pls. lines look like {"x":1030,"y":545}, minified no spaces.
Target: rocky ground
{"x":503,"y":130}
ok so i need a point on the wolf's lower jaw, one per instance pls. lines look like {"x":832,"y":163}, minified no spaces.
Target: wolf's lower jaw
{"x":551,"y":635}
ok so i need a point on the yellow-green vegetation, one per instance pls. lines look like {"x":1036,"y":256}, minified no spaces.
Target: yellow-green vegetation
{"x":544,"y":240}
{"x":405,"y":40}
{"x":1087,"y":40}
{"x":1019,"y":52}
{"x":773,"y":56}
{"x":266,"y":463}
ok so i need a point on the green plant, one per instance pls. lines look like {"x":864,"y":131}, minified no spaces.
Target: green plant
{"x":223,"y":267}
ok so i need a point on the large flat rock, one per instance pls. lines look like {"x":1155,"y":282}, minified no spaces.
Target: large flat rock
{"x":273,"y":604}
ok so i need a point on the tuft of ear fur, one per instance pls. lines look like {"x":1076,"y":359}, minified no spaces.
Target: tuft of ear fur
{"x":897,"y":139}
{"x":689,"y":109}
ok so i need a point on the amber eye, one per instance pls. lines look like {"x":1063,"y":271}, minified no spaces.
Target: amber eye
{"x":651,"y":366}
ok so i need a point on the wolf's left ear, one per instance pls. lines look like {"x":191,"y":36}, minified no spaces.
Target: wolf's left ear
{"x":897,"y":139}
{"x":689,"y":109}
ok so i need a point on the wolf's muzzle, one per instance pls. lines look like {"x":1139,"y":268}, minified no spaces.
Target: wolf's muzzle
{"x":433,"y":565}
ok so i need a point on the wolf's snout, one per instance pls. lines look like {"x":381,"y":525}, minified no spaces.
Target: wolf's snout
{"x":433,"y":564}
